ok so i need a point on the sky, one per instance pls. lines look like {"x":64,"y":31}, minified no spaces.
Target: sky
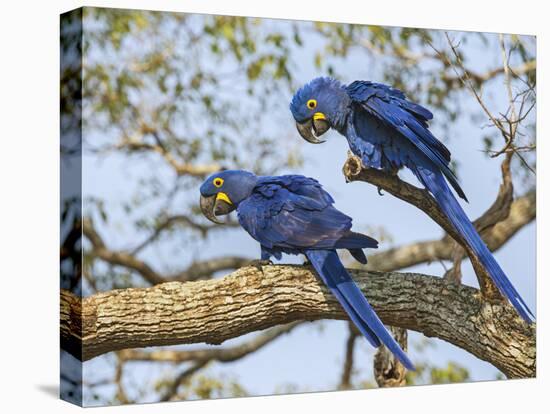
{"x":311,"y":356}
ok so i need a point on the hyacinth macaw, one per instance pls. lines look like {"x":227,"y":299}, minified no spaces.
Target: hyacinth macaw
{"x":388,"y":132}
{"x":293,"y":214}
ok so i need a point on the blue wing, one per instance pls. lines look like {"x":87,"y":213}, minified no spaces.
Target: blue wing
{"x":295,"y":212}
{"x":409,"y":119}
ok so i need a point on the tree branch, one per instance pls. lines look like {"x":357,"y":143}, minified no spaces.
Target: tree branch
{"x":480,"y":78}
{"x":201,"y":357}
{"x":388,"y":370}
{"x":168,"y":222}
{"x":522,"y":212}
{"x":347,"y":371}
{"x":196,"y":271}
{"x":412,"y":58}
{"x":182,"y":377}
{"x":119,"y":258}
{"x":194,"y":170}
{"x":248,"y":300}
{"x":205,"y":269}
{"x":209,"y":354}
{"x":354,"y":171}
{"x":121,"y":395}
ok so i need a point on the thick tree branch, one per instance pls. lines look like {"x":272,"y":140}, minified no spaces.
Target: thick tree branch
{"x":249,"y":300}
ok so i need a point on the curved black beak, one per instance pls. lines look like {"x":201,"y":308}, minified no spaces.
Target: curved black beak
{"x":311,"y":129}
{"x":214,"y":206}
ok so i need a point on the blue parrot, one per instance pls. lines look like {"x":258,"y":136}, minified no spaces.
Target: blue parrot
{"x":388,"y":132}
{"x":293,"y":214}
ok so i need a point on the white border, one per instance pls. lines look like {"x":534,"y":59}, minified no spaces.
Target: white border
{"x":29,"y":187}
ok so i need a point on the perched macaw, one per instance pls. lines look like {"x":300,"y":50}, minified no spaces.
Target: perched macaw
{"x":293,"y":214}
{"x":388,"y":132}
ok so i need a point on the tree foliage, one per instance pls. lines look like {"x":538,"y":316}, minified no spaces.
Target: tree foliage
{"x":168,"y":98}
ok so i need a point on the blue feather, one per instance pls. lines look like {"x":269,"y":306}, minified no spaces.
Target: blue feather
{"x":335,"y":276}
{"x":436,"y":184}
{"x":293,"y":214}
{"x":390,"y":107}
{"x":389,"y":132}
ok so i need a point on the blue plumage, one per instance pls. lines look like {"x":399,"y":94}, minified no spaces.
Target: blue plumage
{"x":293,"y":214}
{"x":334,"y":275}
{"x":448,"y":203}
{"x":388,"y":132}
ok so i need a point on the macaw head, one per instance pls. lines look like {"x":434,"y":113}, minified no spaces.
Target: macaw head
{"x":318,"y":106}
{"x":222,"y":192}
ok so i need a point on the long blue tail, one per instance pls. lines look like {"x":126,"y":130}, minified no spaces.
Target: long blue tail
{"x":334,"y":275}
{"x":437,"y":186}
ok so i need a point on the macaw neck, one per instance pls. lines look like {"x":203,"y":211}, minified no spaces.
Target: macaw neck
{"x":244,"y":188}
{"x":338,"y":120}
{"x":341,"y":108}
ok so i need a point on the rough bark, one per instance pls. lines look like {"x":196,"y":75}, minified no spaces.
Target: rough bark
{"x":388,"y":370}
{"x":354,"y":170}
{"x":250,"y":299}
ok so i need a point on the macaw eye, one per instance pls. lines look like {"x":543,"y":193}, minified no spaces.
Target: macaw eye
{"x":218,"y":182}
{"x":311,"y":104}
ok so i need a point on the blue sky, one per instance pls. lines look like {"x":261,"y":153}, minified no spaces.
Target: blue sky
{"x":310,"y":357}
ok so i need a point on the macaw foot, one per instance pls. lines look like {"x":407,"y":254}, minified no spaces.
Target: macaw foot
{"x":352,"y":166}
{"x":260,"y":263}
{"x":380,"y":189}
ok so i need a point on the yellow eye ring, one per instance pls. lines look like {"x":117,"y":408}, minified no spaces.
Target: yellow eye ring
{"x":311,"y":104}
{"x":218,"y":182}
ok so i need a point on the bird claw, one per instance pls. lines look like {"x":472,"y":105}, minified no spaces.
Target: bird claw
{"x":259,"y":263}
{"x":352,"y":166}
{"x":379,"y":189}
